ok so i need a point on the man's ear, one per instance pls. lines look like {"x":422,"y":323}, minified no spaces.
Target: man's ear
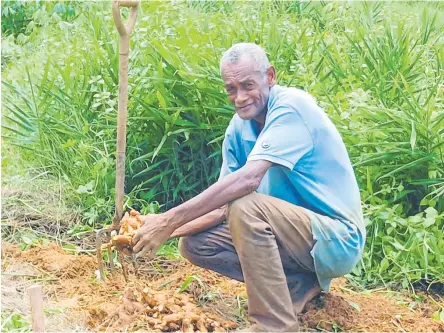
{"x":271,"y":76}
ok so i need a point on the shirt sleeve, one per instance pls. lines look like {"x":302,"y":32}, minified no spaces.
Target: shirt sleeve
{"x":284,"y":140}
{"x":230,"y":161}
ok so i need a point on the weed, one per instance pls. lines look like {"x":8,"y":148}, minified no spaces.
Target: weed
{"x":14,"y":322}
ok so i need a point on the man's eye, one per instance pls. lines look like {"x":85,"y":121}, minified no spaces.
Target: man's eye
{"x":249,"y":85}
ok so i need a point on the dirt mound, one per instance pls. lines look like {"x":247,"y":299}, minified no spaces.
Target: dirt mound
{"x":328,"y":312}
{"x":368,"y":313}
{"x":55,"y":260}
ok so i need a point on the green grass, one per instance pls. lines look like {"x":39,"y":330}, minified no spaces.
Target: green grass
{"x":375,"y":67}
{"x":14,"y":322}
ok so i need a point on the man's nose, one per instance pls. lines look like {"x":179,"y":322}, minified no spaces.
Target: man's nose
{"x":241,"y":97}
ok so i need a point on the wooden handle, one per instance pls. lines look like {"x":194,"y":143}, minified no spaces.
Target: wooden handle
{"x":36,"y":301}
{"x":128,"y":3}
{"x":125,"y":30}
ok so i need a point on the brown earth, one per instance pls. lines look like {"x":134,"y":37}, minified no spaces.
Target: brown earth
{"x":53,"y":259}
{"x":208,"y":301}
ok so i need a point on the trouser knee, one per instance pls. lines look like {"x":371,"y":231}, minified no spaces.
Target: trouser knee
{"x":245,"y":219}
{"x":198,"y":247}
{"x":239,"y":209}
{"x":241,"y":205}
{"x":187,"y":248}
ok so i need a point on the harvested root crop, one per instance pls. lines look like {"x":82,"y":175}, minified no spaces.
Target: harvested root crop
{"x":129,"y":224}
{"x":163,"y":312}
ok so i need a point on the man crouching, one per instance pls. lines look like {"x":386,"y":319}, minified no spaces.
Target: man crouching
{"x":285,"y":215}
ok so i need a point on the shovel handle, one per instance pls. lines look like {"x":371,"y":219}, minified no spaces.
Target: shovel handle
{"x":128,"y":3}
{"x":124,"y":32}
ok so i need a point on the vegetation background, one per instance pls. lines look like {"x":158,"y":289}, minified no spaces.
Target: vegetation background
{"x":375,"y":67}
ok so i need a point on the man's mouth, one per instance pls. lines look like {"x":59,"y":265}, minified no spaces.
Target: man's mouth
{"x":243,"y":108}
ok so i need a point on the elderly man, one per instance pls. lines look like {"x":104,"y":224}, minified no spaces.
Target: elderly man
{"x":285,"y":215}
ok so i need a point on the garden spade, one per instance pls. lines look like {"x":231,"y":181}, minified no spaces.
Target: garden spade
{"x":124,"y":32}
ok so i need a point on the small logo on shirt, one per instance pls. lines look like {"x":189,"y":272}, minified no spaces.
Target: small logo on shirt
{"x":265,"y":144}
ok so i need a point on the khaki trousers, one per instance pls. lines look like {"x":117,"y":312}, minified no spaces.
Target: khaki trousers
{"x":266,"y":243}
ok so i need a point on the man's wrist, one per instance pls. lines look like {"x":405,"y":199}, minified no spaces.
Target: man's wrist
{"x":171,"y":218}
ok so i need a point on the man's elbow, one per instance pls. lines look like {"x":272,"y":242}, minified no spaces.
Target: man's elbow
{"x":252,"y":183}
{"x":252,"y":174}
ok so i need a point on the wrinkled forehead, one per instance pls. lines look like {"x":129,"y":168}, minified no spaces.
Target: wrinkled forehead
{"x":239,"y":69}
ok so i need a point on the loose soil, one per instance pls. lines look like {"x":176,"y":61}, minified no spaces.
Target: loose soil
{"x":172,"y":295}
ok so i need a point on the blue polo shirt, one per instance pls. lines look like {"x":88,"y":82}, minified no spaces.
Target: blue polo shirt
{"x":311,"y":169}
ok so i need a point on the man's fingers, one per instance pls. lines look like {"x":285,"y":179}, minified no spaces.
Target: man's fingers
{"x":138,"y":245}
{"x":136,"y":237}
{"x":146,"y":252}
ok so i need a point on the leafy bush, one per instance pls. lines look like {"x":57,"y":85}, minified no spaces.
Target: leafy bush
{"x":17,"y":15}
{"x":400,"y":249}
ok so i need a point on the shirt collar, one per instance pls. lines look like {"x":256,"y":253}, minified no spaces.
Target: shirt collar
{"x":249,"y":128}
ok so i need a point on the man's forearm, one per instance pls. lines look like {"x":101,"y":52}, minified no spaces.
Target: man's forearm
{"x":201,"y":223}
{"x":236,"y":185}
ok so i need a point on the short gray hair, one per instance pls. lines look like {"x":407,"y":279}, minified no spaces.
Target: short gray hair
{"x":249,"y":50}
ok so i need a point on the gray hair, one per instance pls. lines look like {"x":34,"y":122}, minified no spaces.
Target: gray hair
{"x":249,"y":50}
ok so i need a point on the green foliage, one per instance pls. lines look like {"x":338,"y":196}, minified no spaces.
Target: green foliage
{"x":376,"y":68}
{"x":401,"y":249}
{"x":14,"y":322}
{"x":439,"y":315}
{"x":23,"y":19}
{"x":28,"y":239}
{"x":18,"y":15}
{"x":169,"y":250}
{"x":241,"y":302}
{"x":188,"y":281}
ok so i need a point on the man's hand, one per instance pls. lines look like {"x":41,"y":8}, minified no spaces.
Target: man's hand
{"x":155,"y":232}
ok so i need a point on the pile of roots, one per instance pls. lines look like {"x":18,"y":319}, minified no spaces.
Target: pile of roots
{"x":147,"y":309}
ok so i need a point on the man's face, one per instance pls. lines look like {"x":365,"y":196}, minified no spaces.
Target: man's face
{"x":247,"y":88}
